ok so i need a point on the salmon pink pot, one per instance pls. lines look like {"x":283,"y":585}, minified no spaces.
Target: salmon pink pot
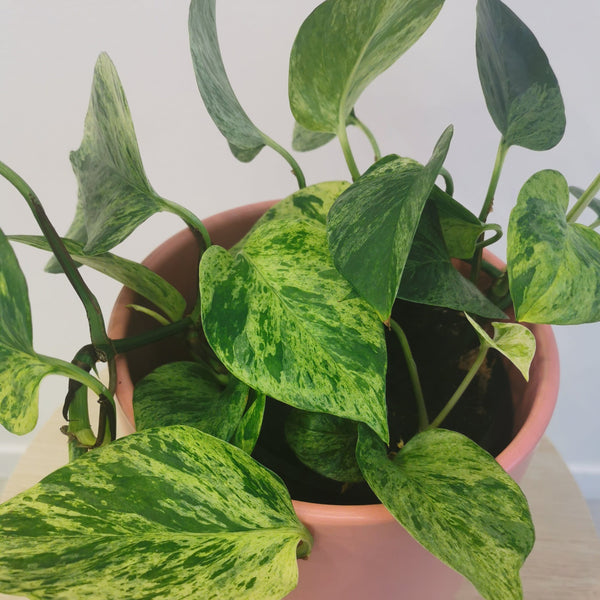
{"x":360,"y":552}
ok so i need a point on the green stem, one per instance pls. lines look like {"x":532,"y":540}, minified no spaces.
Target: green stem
{"x":343,"y":137}
{"x":584,"y":200}
{"x":461,"y":388}
{"x":497,"y":235}
{"x":487,"y":205}
{"x":191,"y":220}
{"x":448,"y":181}
{"x":413,"y":374}
{"x":489,"y":197}
{"x":73,"y":372}
{"x":595,"y":224}
{"x":354,"y":120}
{"x":98,"y":333}
{"x":124,"y":345}
{"x":289,"y":158}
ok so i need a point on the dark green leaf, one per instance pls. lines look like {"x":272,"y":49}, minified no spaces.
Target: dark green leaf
{"x":456,"y":501}
{"x":187,"y":393}
{"x":168,"y":513}
{"x":325,"y":443}
{"x":134,"y":275}
{"x":277,"y":316}
{"x":520,"y":88}
{"x":248,"y":430}
{"x":553,"y":265}
{"x":429,"y":277}
{"x":460,"y":227}
{"x":342,"y":46}
{"x":245,"y":139}
{"x":372,"y":224}
{"x":21,"y":369}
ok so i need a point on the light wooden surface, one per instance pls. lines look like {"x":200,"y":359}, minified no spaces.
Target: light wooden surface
{"x":564,"y":564}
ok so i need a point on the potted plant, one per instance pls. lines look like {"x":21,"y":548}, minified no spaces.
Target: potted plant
{"x":336,"y":343}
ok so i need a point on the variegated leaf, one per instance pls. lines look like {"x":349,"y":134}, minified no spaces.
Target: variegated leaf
{"x":277,"y":314}
{"x":134,"y":275}
{"x":21,"y":369}
{"x":324,"y":443}
{"x":457,"y":502}
{"x":304,"y":139}
{"x":429,"y":277}
{"x":553,"y":265}
{"x":171,"y":513}
{"x":249,"y":427}
{"x":520,"y":88}
{"x":114,"y":193}
{"x":187,"y":393}
{"x":342,"y":46}
{"x":372,"y":224}
{"x":513,"y":340}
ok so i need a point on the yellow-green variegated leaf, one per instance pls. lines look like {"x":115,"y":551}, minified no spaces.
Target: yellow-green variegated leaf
{"x":249,"y":426}
{"x":342,"y":46}
{"x":187,"y":393}
{"x":115,"y":195}
{"x":134,"y":275}
{"x":553,"y":265}
{"x":372,"y":224}
{"x":513,"y":340}
{"x":21,"y":369}
{"x":457,"y":502}
{"x":278,"y":315}
{"x":170,"y":513}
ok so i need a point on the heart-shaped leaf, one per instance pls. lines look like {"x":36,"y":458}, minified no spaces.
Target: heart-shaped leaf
{"x":248,"y":429}
{"x":520,"y":88}
{"x":324,"y":443}
{"x":429,"y":277}
{"x":553,"y":265}
{"x":114,"y":192}
{"x":342,"y":46}
{"x":21,"y":369}
{"x":512,"y":340}
{"x":277,"y":315}
{"x":456,"y":501}
{"x":372,"y":224}
{"x":168,"y":513}
{"x":187,"y":393}
{"x":134,"y":275}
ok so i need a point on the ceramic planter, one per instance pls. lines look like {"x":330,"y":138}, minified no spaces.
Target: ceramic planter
{"x":360,"y":551}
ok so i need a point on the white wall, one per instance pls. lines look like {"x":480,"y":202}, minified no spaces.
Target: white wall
{"x":47,"y":54}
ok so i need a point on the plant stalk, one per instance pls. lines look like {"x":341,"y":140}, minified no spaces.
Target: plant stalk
{"x":191,"y":220}
{"x":296,"y":170}
{"x":583,"y":201}
{"x":460,"y":390}
{"x":354,"y":120}
{"x":97,"y":327}
{"x":124,"y":345}
{"x":343,"y":137}
{"x":413,"y":374}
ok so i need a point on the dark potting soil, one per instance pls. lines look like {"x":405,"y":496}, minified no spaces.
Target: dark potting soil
{"x":444,"y":346}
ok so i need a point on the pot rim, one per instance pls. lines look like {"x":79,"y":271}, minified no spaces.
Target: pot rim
{"x":542,"y":387}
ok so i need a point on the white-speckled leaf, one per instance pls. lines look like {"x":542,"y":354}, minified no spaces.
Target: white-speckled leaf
{"x":553,"y":265}
{"x":278,"y":316}
{"x":372,"y":224}
{"x":456,"y":501}
{"x":114,"y":193}
{"x":520,"y":88}
{"x":21,"y":369}
{"x":131,"y":274}
{"x":245,"y":139}
{"x":342,"y":46}
{"x":513,"y":340}
{"x":187,"y":393}
{"x":168,"y":514}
